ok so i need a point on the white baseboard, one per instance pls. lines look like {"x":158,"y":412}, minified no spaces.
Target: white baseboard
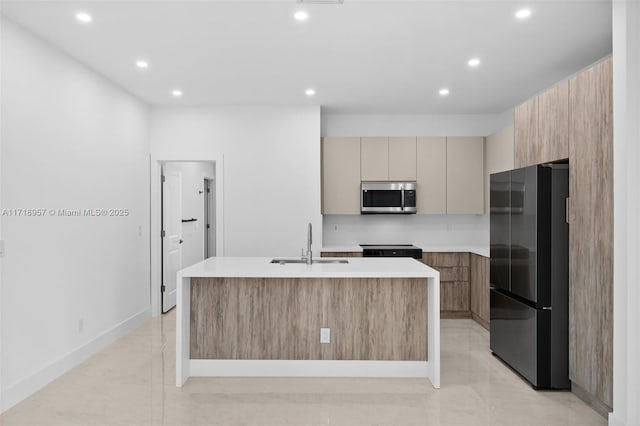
{"x":307,"y":368}
{"x":615,"y":421}
{"x":22,"y":389}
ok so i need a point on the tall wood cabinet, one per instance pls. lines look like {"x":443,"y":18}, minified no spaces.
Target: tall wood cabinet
{"x":591,"y":232}
{"x":465,"y":175}
{"x":341,"y":176}
{"x":525,"y":129}
{"x":542,"y":127}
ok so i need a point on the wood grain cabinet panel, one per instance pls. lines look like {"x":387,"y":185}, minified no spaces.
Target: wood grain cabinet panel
{"x":374,"y":161}
{"x":431,"y":175}
{"x":402,"y":159}
{"x":479,"y":289}
{"x":280,"y":318}
{"x":454,"y":282}
{"x":541,"y":127}
{"x":446,"y":259}
{"x":465,"y":175}
{"x":341,"y":176}
{"x":453,"y":273}
{"x":525,"y":133}
{"x":341,"y":254}
{"x":591,"y":232}
{"x":553,"y":124}
{"x":454,"y":296}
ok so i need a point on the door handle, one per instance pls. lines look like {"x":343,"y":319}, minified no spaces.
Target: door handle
{"x":181,"y":241}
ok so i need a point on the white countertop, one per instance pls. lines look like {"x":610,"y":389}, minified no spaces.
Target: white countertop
{"x":257,"y":267}
{"x":479,"y":250}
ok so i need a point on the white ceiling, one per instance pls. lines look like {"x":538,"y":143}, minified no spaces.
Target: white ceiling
{"x":381,"y":57}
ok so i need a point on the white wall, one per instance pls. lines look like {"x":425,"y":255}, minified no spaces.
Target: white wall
{"x":271,"y":170}
{"x":422,"y":230}
{"x":626,"y":157}
{"x":70,"y":140}
{"x":414,"y":125}
{"x":193,"y":175}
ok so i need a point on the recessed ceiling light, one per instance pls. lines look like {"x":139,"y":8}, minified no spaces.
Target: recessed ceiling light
{"x":301,"y":15}
{"x":177,"y":93}
{"x":444,"y":92}
{"x":523,"y":13}
{"x":142,"y":64}
{"x":473,"y":62}
{"x":310,"y":92}
{"x":84,"y":17}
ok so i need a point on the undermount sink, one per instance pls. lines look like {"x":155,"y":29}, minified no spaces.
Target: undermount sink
{"x":285,"y":261}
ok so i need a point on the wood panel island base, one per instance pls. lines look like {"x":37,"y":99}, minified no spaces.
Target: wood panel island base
{"x":249,"y":317}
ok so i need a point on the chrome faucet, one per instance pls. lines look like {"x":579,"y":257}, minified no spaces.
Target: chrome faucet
{"x":308,"y":256}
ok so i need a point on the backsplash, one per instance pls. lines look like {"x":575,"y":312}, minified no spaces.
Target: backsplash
{"x":432,"y":230}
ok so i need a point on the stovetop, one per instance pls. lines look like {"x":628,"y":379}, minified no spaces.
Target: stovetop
{"x":396,"y":250}
{"x":389,"y":247}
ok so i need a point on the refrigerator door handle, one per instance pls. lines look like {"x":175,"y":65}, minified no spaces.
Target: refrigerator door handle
{"x":566,"y":209}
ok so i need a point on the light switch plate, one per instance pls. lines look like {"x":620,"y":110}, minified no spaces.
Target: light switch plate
{"x":325,"y":335}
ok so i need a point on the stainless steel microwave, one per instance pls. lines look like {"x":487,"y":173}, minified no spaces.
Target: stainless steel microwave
{"x":388,"y":197}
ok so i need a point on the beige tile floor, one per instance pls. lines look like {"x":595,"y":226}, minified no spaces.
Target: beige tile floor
{"x":132,"y":383}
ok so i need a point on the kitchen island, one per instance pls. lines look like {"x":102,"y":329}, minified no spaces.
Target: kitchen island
{"x":241,"y":316}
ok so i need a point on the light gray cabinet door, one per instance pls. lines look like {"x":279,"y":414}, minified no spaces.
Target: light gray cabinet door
{"x":465,"y":175}
{"x":341,"y":176}
{"x":432,"y":175}
{"x":374,"y":159}
{"x":402,"y":159}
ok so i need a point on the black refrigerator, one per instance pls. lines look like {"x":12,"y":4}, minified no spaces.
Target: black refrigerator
{"x":529,"y":273}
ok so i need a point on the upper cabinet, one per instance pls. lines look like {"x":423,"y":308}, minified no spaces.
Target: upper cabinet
{"x":432,"y":175}
{"x":542,"y":127}
{"x":388,"y":159}
{"x":402,"y":158}
{"x":498,"y":156}
{"x":341,"y":176}
{"x":449,"y":171}
{"x":465,"y":175}
{"x":374,"y":163}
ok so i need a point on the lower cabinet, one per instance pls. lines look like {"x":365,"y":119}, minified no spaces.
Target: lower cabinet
{"x":454,"y":282}
{"x":340,"y":254}
{"x":479,"y":288}
{"x":464,"y":284}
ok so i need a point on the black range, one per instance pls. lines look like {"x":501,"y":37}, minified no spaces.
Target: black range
{"x":396,"y":250}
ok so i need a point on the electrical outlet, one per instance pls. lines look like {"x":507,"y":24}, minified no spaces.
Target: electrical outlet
{"x":325,"y":335}
{"x":1,"y":248}
{"x":80,"y":325}
{"x":140,"y":231}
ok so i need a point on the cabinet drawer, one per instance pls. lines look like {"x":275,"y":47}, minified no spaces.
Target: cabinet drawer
{"x":436,"y":259}
{"x":454,"y":296}
{"x":341,"y":254}
{"x":455,"y":273}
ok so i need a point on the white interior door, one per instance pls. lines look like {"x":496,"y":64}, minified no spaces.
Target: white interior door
{"x":172,"y":237}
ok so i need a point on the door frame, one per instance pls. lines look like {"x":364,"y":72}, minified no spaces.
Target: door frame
{"x":208,"y":182}
{"x":155,"y":169}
